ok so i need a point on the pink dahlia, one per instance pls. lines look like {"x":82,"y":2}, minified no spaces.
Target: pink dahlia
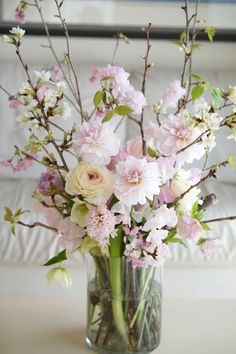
{"x":172,"y":94}
{"x":95,"y":143}
{"x":189,"y":227}
{"x":136,"y":180}
{"x":101,"y":225}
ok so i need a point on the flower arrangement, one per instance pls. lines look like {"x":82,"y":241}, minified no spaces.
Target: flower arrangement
{"x":120,"y":202}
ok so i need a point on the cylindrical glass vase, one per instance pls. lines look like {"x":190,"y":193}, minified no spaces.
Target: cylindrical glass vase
{"x":124,"y":306}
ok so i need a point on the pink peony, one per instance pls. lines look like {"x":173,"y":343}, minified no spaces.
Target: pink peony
{"x":95,"y":143}
{"x":172,"y":94}
{"x":189,"y":227}
{"x":72,"y":234}
{"x":58,"y":72}
{"x":50,"y":182}
{"x":136,"y":180}
{"x":101,"y":225}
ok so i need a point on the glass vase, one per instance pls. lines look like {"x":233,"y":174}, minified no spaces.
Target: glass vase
{"x":124,"y":306}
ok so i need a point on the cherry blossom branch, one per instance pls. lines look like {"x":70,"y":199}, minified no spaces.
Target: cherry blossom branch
{"x":228,"y":218}
{"x":50,"y":46}
{"x":146,"y":67}
{"x":68,"y":55}
{"x":186,"y":55}
{"x":194,"y":17}
{"x":117,"y":36}
{"x":37,"y":224}
{"x":210,"y":174}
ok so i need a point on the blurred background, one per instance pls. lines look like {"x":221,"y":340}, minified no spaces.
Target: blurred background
{"x":92,"y":26}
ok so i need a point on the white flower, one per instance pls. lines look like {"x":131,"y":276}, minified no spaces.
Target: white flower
{"x":162,"y":217}
{"x":66,"y":110}
{"x":136,"y":181}
{"x":209,"y":142}
{"x":95,"y":143}
{"x":18,"y":32}
{"x":232,"y":94}
{"x":43,"y":76}
{"x":60,"y":87}
{"x":123,"y":212}
{"x":60,"y":275}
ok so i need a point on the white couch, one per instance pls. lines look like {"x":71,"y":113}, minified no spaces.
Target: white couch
{"x":20,"y":257}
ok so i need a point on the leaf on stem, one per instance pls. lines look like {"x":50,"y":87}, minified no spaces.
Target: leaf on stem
{"x":97,"y":98}
{"x":60,"y":257}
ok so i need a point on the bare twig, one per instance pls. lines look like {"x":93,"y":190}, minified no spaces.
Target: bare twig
{"x":228,"y":218}
{"x":146,"y":67}
{"x":68,"y":55}
{"x":35,"y":224}
{"x":5,"y":91}
{"x":117,"y":36}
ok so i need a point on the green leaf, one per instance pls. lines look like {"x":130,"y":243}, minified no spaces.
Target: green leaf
{"x":196,"y":46}
{"x":108,"y":117}
{"x":123,"y":110}
{"x":210,"y":31}
{"x":13,"y":230}
{"x":117,"y":244}
{"x":104,"y":97}
{"x":217,"y":97}
{"x":183,"y":38}
{"x":60,"y":257}
{"x":97,"y":99}
{"x":178,"y":43}
{"x":196,"y":77}
{"x":199,"y":90}
{"x":151,"y":152}
{"x":205,"y":227}
{"x":231,"y":161}
{"x":177,"y":240}
{"x":198,"y":215}
{"x":8,"y":215}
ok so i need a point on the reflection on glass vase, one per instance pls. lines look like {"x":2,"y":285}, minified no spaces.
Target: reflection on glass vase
{"x":124,"y":306}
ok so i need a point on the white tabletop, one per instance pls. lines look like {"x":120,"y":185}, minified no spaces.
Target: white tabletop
{"x":57,"y":326}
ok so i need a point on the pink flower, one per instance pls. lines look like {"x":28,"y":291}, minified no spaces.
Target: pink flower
{"x":163,"y":216}
{"x":167,"y":167}
{"x":40,"y":93}
{"x":101,"y":225}
{"x":166,"y":195}
{"x":133,"y":99}
{"x":52,"y":216}
{"x":20,"y":16}
{"x":72,"y":234}
{"x":136,"y":180}
{"x":115,"y":74}
{"x":210,"y":245}
{"x":189,"y":227}
{"x":134,"y":147}
{"x":21,"y":165}
{"x":14,"y":103}
{"x":95,"y":143}
{"x":172,"y":94}
{"x":58,"y":72}
{"x":50,"y":182}
{"x":175,"y":134}
{"x":121,"y":156}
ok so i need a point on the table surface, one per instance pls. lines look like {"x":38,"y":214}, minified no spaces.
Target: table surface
{"x":57,"y":326}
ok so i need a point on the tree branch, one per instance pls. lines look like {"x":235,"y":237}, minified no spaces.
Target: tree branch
{"x":228,"y":218}
{"x":36,"y":224}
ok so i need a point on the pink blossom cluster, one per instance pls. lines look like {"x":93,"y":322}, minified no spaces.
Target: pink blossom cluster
{"x":22,"y":164}
{"x":117,"y":80}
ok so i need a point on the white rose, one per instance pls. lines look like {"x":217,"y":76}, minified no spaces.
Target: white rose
{"x":91,"y":182}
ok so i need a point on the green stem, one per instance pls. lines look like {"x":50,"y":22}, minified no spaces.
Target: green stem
{"x":118,"y":314}
{"x":141,"y":303}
